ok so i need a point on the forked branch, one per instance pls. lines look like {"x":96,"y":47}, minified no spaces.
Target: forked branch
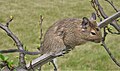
{"x":111,"y":3}
{"x":109,"y":20}
{"x":98,"y":8}
{"x":15,"y":39}
{"x":104,"y":23}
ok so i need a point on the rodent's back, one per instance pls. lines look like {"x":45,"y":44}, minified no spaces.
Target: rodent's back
{"x":53,"y":39}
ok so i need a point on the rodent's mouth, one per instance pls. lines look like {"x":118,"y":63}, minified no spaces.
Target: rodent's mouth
{"x":96,"y":41}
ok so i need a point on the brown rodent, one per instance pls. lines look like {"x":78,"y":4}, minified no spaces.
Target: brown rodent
{"x":68,"y":33}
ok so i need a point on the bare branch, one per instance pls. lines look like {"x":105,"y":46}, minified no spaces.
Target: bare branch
{"x":109,"y":19}
{"x":38,"y":62}
{"x":108,"y":51}
{"x":111,"y":3}
{"x":110,"y":54}
{"x":100,"y":9}
{"x":113,"y":22}
{"x":110,"y":31}
{"x":104,"y":24}
{"x":22,"y":51}
{"x":16,"y":40}
{"x":94,"y":6}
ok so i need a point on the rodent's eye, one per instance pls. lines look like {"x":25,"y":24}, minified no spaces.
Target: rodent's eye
{"x":97,"y":29}
{"x":93,"y":33}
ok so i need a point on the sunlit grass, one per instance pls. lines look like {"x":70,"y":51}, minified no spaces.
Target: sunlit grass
{"x":25,"y":26}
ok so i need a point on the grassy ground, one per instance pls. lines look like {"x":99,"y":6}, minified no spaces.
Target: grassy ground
{"x":25,"y":25}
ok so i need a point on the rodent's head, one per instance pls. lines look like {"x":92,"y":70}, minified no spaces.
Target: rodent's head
{"x":90,"y":31}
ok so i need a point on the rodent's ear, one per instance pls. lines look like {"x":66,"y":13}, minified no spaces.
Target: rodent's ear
{"x":93,"y":16}
{"x":85,"y":22}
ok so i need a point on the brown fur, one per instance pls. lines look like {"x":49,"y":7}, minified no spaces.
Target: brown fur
{"x":68,"y":33}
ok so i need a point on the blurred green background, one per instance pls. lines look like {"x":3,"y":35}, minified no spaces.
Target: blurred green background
{"x":25,"y":26}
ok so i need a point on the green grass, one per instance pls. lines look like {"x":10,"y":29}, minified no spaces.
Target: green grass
{"x":25,"y":25}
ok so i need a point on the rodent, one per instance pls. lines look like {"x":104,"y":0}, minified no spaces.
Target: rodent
{"x":64,"y":35}
{"x":68,"y":33}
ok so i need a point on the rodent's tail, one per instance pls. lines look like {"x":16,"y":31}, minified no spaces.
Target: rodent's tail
{"x":22,"y":51}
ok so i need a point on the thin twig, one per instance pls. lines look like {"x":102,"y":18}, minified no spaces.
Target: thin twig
{"x":110,"y":31}
{"x":7,"y":24}
{"x":94,"y":6}
{"x":16,"y":50}
{"x":111,"y":3}
{"x":104,"y":34}
{"x":110,"y":54}
{"x":41,"y":33}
